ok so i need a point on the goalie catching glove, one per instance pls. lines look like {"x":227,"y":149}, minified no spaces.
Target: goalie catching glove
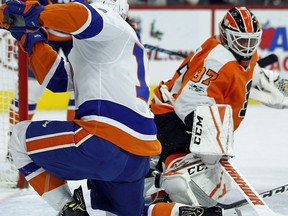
{"x":270,"y":89}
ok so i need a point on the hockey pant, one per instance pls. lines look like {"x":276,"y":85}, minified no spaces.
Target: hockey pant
{"x":50,"y":152}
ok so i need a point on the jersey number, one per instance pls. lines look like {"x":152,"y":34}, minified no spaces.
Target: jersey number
{"x":243,"y":110}
{"x":198,"y":76}
{"x":142,"y":91}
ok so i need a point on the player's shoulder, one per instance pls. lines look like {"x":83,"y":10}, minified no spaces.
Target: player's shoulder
{"x":218,"y":56}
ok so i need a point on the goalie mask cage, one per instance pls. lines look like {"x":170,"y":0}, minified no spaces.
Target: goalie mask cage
{"x":13,"y":84}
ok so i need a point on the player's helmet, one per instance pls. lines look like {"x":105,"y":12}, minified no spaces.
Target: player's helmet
{"x":240,"y":32}
{"x":119,"y":6}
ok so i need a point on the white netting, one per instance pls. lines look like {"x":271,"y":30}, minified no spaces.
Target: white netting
{"x":8,"y":86}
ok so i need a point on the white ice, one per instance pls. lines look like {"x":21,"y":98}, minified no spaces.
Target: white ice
{"x":261,"y":147}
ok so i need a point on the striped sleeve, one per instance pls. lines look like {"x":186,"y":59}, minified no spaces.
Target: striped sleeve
{"x":77,"y":18}
{"x":49,"y":68}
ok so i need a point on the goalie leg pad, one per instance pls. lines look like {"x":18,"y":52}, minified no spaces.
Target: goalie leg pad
{"x":177,"y":186}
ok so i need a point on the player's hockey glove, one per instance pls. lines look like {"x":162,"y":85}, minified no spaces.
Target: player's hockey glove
{"x":13,"y":10}
{"x":17,"y":34}
{"x":31,"y":37}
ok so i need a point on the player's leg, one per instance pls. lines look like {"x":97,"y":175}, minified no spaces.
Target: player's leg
{"x":174,"y":186}
{"x":48,"y":151}
{"x":178,"y":209}
{"x":35,"y":90}
{"x":52,"y":189}
{"x":119,"y":198}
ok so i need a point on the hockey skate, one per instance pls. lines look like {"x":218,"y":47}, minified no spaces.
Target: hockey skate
{"x":76,"y":207}
{"x":197,"y":211}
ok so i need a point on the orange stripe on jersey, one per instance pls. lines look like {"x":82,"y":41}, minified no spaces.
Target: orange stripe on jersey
{"x":80,"y":135}
{"x":41,"y":60}
{"x":247,"y":20}
{"x":61,"y":17}
{"x":121,"y":138}
{"x":49,"y":142}
{"x":161,"y":209}
{"x":161,"y":109}
{"x":56,"y":140}
{"x":45,"y":182}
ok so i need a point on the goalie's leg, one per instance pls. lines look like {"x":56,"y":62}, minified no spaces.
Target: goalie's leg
{"x":177,"y":209}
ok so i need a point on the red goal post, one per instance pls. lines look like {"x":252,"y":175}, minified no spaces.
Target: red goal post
{"x":13,"y":82}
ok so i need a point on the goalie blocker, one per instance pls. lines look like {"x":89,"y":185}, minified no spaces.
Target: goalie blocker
{"x":212,"y":133}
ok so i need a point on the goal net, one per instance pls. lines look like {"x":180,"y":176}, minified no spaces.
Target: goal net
{"x":13,"y":92}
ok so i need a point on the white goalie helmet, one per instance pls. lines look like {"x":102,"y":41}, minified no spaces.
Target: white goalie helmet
{"x":240,"y":32}
{"x":119,"y":6}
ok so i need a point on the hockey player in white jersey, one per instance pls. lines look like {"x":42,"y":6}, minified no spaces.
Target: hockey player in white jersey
{"x":113,"y":133}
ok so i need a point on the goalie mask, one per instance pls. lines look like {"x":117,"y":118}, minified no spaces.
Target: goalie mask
{"x":240,"y":32}
{"x":119,"y":6}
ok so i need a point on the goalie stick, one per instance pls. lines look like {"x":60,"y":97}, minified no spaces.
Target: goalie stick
{"x":265,"y":194}
{"x":268,"y":60}
{"x":253,"y":198}
{"x":206,"y":200}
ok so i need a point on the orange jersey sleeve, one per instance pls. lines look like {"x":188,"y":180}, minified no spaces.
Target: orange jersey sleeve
{"x":41,"y":60}
{"x":62,"y":17}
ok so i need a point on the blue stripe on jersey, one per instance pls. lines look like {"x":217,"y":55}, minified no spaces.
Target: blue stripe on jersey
{"x":71,"y":102}
{"x":118,"y":113}
{"x":59,"y":80}
{"x":95,"y":27}
{"x":29,"y":168}
{"x":49,"y":127}
{"x":30,"y":106}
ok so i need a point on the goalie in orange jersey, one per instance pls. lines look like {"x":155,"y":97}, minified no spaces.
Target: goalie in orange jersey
{"x":192,"y":128}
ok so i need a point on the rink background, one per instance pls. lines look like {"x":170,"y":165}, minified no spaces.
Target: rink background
{"x":261,"y":145}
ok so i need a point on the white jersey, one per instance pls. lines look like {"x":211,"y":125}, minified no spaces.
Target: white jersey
{"x":108,"y":73}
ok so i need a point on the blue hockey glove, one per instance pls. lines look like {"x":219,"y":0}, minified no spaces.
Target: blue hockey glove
{"x":43,"y":2}
{"x":17,"y":34}
{"x":30,"y":11}
{"x":33,"y":37}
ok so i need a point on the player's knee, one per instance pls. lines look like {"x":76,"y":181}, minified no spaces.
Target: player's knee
{"x":17,"y":142}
